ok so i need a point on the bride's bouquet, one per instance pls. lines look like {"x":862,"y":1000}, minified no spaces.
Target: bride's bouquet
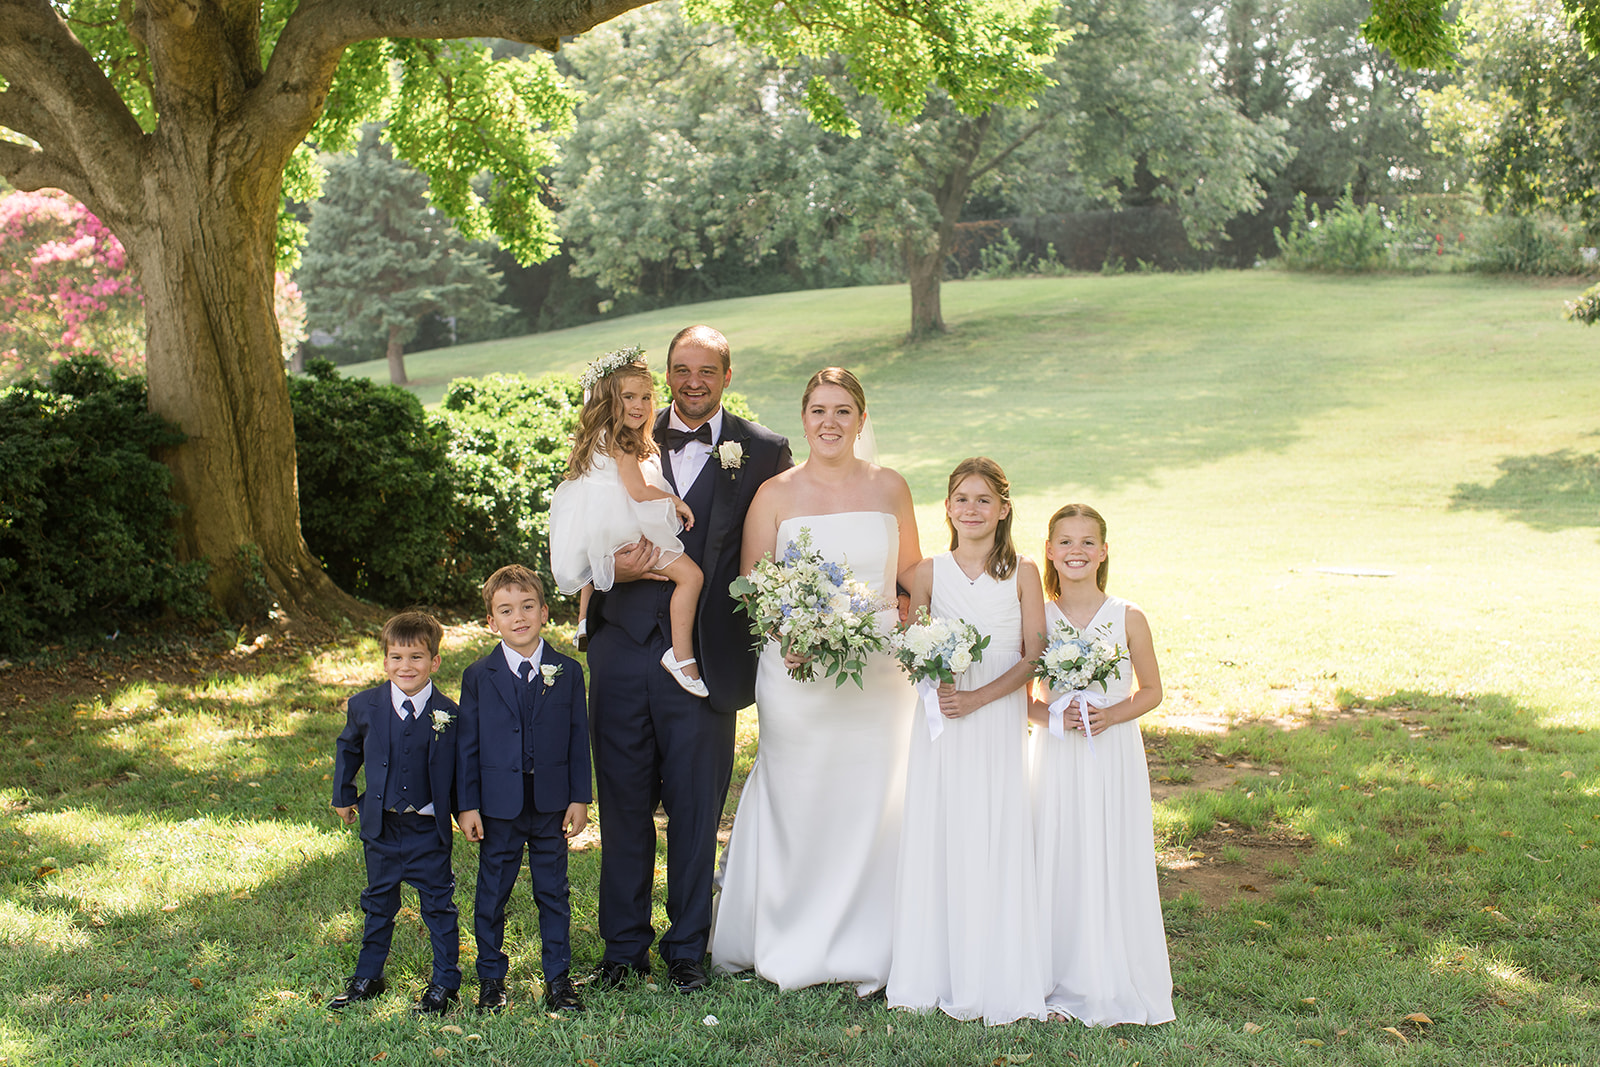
{"x":1073,"y":661}
{"x":812,"y":607}
{"x":932,"y":651}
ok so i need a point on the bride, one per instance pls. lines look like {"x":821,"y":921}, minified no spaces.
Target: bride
{"x":809,"y":873}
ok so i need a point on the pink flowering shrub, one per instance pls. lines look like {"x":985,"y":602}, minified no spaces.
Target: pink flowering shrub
{"x":65,"y":288}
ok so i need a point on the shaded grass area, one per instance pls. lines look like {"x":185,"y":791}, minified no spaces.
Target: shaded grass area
{"x":175,"y":891}
{"x":1556,"y":491}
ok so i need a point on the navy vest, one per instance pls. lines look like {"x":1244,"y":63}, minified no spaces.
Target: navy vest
{"x":408,"y":765}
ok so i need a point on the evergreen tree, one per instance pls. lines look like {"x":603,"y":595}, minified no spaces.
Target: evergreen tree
{"x":379,"y":258}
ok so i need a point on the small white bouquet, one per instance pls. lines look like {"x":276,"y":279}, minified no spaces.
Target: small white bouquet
{"x":812,"y":607}
{"x":932,"y":651}
{"x":1073,"y":661}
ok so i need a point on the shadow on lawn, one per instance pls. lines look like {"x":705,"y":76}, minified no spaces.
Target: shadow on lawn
{"x":1556,"y":491}
{"x":1079,"y":382}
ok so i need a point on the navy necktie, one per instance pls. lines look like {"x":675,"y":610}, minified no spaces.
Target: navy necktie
{"x":409,"y":708}
{"x":525,"y":711}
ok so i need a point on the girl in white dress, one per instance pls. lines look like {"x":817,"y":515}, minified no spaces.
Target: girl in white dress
{"x":1100,"y":913}
{"x":614,"y":495}
{"x":966,"y":895}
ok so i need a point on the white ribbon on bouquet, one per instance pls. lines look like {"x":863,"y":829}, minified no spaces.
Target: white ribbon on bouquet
{"x":928,"y":694}
{"x":1085,"y":700}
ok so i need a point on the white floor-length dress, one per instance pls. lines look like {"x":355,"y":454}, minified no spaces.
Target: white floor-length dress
{"x":965,"y":940}
{"x":1100,"y":911}
{"x":807,"y":884}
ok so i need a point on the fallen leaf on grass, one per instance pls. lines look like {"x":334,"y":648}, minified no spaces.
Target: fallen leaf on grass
{"x":474,"y":1037}
{"x":1002,"y":1061}
{"x":243,"y":894}
{"x":1313,"y":1042}
{"x":197,"y":983}
{"x":380,"y":1057}
{"x":852,"y":1031}
{"x":169,"y":907}
{"x":1404,"y":1040}
{"x":1308,"y":1000}
{"x":1568,"y":774}
{"x":1340,"y":1033}
{"x":1258,"y":922}
{"x":452,"y":1029}
{"x":440,"y":1053}
{"x":1418,"y":1017}
{"x":45,"y":870}
{"x":1252,"y":1028}
{"x":1248,"y":888}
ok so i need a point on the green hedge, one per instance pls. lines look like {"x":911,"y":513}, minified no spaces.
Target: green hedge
{"x":86,"y":543}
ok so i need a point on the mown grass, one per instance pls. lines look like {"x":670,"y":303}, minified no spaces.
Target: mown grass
{"x":174,"y":889}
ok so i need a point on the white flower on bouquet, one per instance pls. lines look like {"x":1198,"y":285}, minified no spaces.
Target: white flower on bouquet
{"x":814,"y":608}
{"x":1074,"y":660}
{"x":936,"y":650}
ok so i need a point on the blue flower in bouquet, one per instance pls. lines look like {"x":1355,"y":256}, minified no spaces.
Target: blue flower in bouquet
{"x":813,"y":607}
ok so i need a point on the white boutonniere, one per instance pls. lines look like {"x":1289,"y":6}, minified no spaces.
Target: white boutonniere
{"x":441,"y":720}
{"x":550,"y":672}
{"x":731,"y":455}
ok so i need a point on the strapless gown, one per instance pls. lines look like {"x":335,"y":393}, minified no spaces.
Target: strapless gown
{"x":808,"y":877}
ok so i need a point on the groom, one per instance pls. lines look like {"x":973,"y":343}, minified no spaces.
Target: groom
{"x":653,"y":742}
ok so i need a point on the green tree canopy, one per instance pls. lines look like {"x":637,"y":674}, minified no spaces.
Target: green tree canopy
{"x":379,"y":258}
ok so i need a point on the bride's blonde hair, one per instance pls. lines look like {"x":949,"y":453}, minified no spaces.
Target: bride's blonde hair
{"x":840,"y":377}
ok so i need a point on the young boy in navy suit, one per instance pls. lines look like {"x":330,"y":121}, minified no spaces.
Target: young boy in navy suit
{"x":404,"y":733}
{"x":524,"y":774}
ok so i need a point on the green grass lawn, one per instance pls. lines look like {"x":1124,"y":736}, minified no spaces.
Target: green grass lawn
{"x":1425,"y":743}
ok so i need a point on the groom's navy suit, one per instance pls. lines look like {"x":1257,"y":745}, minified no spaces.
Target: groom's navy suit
{"x":524,"y":759}
{"x":655,"y":743}
{"x":407,"y":765}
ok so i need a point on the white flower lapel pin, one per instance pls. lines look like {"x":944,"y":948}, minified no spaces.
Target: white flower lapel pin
{"x":550,"y":672}
{"x":731,"y":455}
{"x":441,"y":720}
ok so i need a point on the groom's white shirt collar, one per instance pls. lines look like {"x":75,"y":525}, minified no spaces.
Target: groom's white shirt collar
{"x":687,"y":464}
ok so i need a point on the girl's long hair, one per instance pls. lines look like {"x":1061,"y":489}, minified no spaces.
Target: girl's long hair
{"x":1052,"y":580}
{"x":1001,"y":563}
{"x":600,"y":425}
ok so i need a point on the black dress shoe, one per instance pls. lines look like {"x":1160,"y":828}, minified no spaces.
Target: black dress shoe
{"x":492,"y":995}
{"x":561,"y":995}
{"x":435,"y":1000}
{"x":357,"y":989}
{"x":611,"y":975}
{"x":687,"y":975}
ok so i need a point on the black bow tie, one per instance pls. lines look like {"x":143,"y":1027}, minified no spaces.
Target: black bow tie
{"x":676,"y":439}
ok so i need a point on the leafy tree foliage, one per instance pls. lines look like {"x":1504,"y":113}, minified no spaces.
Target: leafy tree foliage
{"x":379,"y":258}
{"x":1526,"y":110}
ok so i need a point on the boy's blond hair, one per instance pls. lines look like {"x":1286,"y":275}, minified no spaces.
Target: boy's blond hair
{"x":509,"y":576}
{"x":412,"y":628}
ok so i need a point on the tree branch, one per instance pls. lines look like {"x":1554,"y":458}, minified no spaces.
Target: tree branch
{"x":42,"y":57}
{"x":30,"y":169}
{"x":1022,"y":139}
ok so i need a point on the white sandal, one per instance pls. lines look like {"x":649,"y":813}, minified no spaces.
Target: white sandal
{"x":674,"y":667}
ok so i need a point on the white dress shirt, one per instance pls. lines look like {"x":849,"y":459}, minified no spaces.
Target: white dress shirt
{"x":687,"y":464}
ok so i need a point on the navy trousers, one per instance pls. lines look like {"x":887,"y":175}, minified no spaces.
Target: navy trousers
{"x":408,"y":849}
{"x":499,"y":864}
{"x":654,"y":743}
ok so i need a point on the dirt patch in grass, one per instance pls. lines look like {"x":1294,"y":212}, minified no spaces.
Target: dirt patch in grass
{"x":1228,"y":864}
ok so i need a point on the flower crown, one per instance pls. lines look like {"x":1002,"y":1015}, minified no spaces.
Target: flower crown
{"x":609,"y":363}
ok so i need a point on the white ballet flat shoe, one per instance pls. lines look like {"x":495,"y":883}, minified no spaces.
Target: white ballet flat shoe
{"x":675,"y":667}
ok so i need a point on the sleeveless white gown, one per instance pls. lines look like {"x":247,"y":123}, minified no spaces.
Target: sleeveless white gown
{"x":592,"y":515}
{"x":807,"y":879}
{"x":964,"y":935}
{"x":1100,"y":911}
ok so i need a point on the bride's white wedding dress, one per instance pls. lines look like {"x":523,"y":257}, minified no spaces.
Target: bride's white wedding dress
{"x":808,"y":877}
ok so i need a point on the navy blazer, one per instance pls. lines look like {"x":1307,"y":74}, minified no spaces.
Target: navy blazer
{"x":490,"y":750}
{"x":365,"y":740}
{"x":723,"y":646}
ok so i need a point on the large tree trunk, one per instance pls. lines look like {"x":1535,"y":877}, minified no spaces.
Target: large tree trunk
{"x":925,"y":251}
{"x":215,"y":369}
{"x":396,"y":354}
